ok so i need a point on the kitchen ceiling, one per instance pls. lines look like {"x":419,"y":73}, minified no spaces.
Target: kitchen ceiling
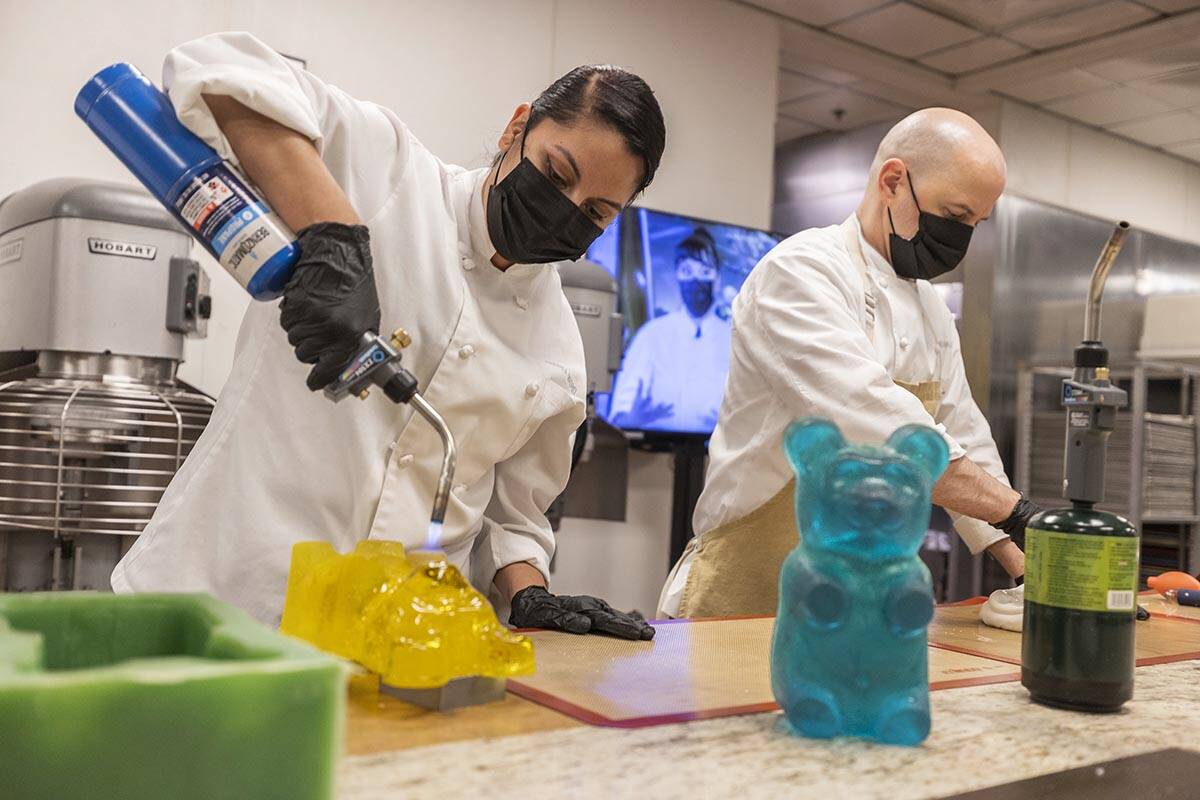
{"x":1130,"y":68}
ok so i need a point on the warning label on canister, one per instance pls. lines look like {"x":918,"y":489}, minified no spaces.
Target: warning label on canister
{"x":1080,"y":571}
{"x":233,"y":223}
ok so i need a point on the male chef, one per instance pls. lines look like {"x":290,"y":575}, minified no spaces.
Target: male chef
{"x":842,"y":323}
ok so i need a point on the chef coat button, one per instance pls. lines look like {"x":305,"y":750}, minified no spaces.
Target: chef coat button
{"x":468,"y":263}
{"x":531,"y":389}
{"x":904,"y":343}
{"x":521,"y":302}
{"x":404,"y":461}
{"x":883,"y":282}
{"x":462,"y":487}
{"x":466,"y":351}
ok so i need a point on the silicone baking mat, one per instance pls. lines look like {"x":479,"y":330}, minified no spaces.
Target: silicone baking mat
{"x":693,"y":669}
{"x":1159,"y":606}
{"x":698,"y":669}
{"x":1167,"y":636}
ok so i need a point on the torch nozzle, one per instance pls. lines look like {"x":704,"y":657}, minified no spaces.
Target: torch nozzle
{"x":1091,"y":318}
{"x":441,"y":497}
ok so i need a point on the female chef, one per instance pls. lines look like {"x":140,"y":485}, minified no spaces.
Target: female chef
{"x":391,"y":236}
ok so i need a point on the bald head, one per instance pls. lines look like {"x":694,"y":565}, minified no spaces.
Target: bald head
{"x":936,"y":160}
{"x":941,"y":139}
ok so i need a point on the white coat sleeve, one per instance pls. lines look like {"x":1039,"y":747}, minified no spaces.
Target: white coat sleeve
{"x":365,"y":147}
{"x":526,"y":484}
{"x":965,"y":422}
{"x":804,"y":336}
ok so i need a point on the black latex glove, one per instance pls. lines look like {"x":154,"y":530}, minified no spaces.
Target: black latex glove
{"x":534,"y":607}
{"x":330,"y":300}
{"x":1016,"y":521}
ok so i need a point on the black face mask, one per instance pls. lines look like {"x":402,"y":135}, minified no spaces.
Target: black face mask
{"x":938,"y":247}
{"x":532,"y":222}
{"x":697,"y":296}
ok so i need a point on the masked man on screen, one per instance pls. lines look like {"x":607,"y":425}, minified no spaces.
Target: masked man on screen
{"x":674,"y":370}
{"x":842,"y":322}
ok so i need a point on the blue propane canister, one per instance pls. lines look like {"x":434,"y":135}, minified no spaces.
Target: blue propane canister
{"x":137,"y":122}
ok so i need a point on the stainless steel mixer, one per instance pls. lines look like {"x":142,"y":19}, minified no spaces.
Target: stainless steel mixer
{"x":96,"y":297}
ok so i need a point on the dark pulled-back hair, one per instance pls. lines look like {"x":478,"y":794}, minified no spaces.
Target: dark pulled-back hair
{"x":614,"y":97}
{"x":699,"y":246}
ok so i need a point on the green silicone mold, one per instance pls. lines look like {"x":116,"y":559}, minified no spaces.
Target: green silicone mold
{"x":160,"y":696}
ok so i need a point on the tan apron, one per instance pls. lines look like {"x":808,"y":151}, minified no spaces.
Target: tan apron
{"x":735,"y":567}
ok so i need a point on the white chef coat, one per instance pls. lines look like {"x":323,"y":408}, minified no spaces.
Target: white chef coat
{"x":497,"y":353}
{"x":800,"y":348}
{"x":675,"y":360}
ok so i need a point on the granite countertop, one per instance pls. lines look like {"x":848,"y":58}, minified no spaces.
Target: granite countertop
{"x":982,"y":736}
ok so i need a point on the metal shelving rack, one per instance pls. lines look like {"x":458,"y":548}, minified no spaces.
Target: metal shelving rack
{"x":1153,"y":476}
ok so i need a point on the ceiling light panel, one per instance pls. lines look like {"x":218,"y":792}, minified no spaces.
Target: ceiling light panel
{"x":819,"y":12}
{"x":1084,"y":23}
{"x":904,"y":30}
{"x":1180,"y":89}
{"x":973,"y":55}
{"x":994,"y":16}
{"x":1056,"y":85}
{"x":1159,"y":61}
{"x":793,"y":85}
{"x":813,"y":69}
{"x":1109,"y":106}
{"x":856,"y":110}
{"x":1163,"y":129}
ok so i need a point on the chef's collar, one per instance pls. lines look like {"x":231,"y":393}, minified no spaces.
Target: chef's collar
{"x":873,"y":256}
{"x":480,"y":241}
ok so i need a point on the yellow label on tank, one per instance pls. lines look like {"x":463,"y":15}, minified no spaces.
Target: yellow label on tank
{"x":1080,"y":571}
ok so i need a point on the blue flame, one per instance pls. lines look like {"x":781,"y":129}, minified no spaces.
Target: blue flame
{"x":433,"y":539}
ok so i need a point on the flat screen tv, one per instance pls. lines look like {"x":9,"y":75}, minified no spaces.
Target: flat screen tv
{"x":678,"y":276}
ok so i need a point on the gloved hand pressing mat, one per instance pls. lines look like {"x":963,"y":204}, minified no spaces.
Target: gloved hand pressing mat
{"x":535,"y":607}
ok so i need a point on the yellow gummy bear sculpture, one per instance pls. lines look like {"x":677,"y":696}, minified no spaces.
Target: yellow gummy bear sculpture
{"x":412,"y":619}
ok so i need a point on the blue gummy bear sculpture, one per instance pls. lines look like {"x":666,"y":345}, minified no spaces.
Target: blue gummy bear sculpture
{"x":848,"y":656}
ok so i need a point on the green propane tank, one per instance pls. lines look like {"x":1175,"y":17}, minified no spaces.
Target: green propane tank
{"x":1081,"y":565}
{"x":1081,"y":572}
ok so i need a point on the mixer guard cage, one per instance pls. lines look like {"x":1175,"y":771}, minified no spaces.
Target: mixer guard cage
{"x":91,"y":456}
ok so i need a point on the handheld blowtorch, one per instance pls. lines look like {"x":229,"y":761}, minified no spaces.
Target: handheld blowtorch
{"x":221,"y":209}
{"x":378,"y":363}
{"x":1081,"y":564}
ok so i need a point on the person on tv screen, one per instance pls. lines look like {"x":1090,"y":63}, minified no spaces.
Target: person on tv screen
{"x":843,"y":323}
{"x":673,"y":374}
